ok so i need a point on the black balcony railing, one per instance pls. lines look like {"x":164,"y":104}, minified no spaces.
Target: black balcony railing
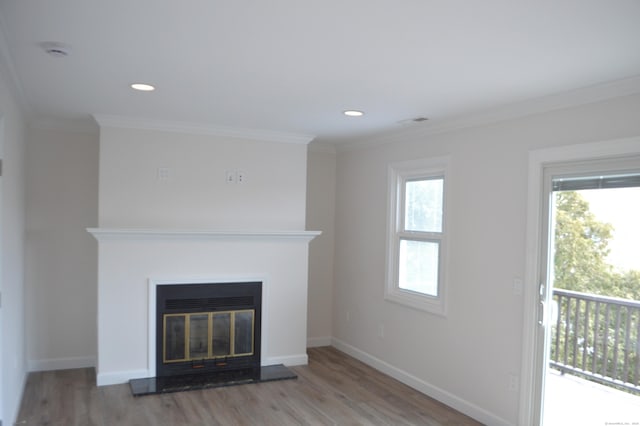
{"x":597,"y":337}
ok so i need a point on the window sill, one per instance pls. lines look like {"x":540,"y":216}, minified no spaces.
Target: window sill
{"x":433,"y":305}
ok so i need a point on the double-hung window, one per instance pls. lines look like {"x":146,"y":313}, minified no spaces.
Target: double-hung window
{"x":417,"y":238}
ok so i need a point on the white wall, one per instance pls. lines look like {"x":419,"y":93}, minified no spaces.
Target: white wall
{"x":61,"y":257}
{"x":466,"y":357}
{"x":196,"y":195}
{"x":12,"y":329}
{"x":321,"y":193}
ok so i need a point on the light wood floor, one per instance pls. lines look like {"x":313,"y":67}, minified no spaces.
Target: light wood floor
{"x":334,"y":389}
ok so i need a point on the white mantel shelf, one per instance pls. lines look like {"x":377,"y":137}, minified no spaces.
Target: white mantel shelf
{"x":104,"y":234}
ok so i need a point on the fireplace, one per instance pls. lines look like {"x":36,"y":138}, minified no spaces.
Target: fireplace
{"x":208,"y":328}
{"x":134,"y":262}
{"x":208,"y":335}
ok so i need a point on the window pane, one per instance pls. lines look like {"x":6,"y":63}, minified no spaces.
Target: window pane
{"x":418,"y":266}
{"x":423,"y":205}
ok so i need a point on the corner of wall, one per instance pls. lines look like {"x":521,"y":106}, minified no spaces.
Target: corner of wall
{"x":12,"y":211}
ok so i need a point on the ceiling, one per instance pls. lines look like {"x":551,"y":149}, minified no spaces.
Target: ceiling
{"x":293,"y":66}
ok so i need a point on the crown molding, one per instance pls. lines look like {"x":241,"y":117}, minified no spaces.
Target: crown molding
{"x":117,"y":121}
{"x":558,"y":101}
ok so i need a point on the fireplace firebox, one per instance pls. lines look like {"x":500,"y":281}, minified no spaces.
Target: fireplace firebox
{"x":205,"y":328}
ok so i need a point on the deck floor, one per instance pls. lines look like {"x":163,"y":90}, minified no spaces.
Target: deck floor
{"x":571,"y":400}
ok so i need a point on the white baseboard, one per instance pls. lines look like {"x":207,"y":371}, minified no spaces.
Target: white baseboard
{"x":314,"y":342}
{"x":118,"y":377}
{"x":61,"y":363}
{"x":289,"y":360}
{"x":420,"y":385}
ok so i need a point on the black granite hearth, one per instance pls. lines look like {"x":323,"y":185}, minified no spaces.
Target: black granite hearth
{"x":156,"y":385}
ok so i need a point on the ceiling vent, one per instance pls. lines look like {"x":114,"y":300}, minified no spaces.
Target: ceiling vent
{"x":55,"y":49}
{"x":413,"y":120}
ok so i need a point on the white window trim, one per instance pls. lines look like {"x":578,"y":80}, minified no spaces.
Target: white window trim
{"x":398,"y":173}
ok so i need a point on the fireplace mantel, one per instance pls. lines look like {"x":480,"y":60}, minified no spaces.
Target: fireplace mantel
{"x":103,"y":234}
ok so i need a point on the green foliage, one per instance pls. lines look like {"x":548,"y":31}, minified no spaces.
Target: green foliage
{"x":625,"y":285}
{"x":581,"y":246}
{"x":600,"y":338}
{"x":581,"y":249}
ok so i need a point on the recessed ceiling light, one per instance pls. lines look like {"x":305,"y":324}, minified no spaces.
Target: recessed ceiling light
{"x":143,"y":87}
{"x":353,"y":113}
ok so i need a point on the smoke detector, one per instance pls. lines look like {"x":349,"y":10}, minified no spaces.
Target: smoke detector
{"x":56,"y":49}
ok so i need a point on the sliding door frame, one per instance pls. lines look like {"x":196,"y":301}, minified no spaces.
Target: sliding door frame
{"x":533,"y":344}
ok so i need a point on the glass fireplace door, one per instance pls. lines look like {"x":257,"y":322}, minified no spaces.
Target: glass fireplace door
{"x":208,"y":335}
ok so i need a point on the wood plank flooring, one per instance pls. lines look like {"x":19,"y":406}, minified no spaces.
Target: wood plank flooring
{"x":334,"y":389}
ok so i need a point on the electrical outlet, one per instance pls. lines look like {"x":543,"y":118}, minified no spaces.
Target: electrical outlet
{"x":517,"y":286}
{"x":240,"y":176}
{"x":163,"y":173}
{"x":513,"y":382}
{"x":231,"y":176}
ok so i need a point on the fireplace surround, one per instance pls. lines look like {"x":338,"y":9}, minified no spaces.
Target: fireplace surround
{"x":132,"y":263}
